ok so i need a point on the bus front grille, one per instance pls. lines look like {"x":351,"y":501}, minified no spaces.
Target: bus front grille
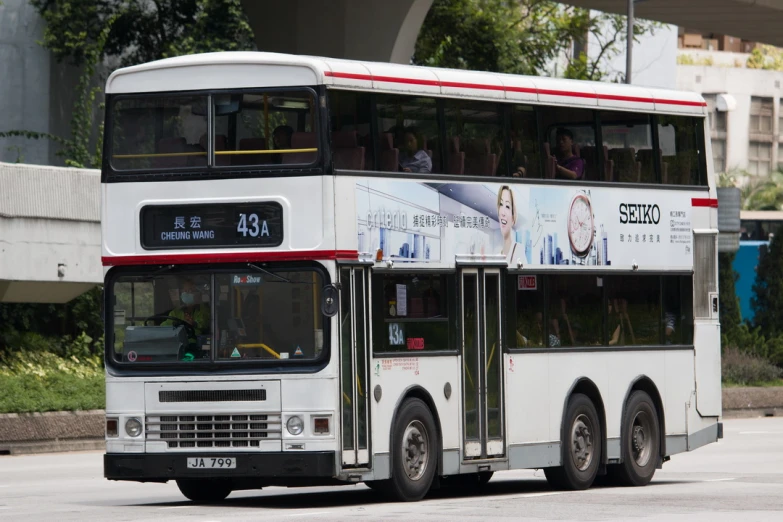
{"x":214,"y":431}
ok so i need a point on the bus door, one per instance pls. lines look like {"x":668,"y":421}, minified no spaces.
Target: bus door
{"x":354,"y":343}
{"x":482,"y":372}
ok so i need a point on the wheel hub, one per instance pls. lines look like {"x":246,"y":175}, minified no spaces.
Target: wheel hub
{"x":415,"y":448}
{"x":582,"y":442}
{"x":640,"y":439}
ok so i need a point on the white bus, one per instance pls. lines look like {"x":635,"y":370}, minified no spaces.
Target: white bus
{"x":322,"y":271}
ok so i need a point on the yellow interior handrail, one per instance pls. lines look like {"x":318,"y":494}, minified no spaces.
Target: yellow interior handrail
{"x":217,"y":153}
{"x":259,"y":345}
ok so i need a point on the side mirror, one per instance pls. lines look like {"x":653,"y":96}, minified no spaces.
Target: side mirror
{"x":330,"y":304}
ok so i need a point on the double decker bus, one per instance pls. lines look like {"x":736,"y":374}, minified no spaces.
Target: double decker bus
{"x":323,"y":271}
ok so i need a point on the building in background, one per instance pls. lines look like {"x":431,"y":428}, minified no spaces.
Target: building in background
{"x":744,"y":100}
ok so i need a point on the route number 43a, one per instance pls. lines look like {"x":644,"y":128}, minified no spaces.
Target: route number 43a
{"x":250,"y":225}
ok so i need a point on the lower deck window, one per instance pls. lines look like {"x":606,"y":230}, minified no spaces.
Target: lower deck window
{"x":551,"y":311}
{"x":411,"y":312}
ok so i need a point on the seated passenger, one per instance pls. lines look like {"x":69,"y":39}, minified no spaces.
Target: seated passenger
{"x":620,"y":323}
{"x":569,"y":166}
{"x":412,"y":158}
{"x":518,"y":160}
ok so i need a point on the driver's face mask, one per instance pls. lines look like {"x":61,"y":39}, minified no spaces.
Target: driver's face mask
{"x":187,"y":298}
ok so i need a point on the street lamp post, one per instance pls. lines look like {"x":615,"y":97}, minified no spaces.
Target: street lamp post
{"x":629,"y":44}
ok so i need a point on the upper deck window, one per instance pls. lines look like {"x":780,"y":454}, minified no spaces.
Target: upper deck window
{"x":269,"y":128}
{"x":159,"y":132}
{"x":249,"y":129}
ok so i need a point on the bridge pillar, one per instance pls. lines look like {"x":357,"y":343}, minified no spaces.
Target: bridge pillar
{"x":372,"y":30}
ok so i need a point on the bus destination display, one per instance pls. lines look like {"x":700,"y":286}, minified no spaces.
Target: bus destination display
{"x":221,"y":225}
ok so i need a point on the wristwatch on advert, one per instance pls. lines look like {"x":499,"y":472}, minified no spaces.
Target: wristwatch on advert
{"x":581,"y":224}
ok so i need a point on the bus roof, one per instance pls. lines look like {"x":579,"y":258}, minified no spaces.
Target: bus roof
{"x":239,"y":70}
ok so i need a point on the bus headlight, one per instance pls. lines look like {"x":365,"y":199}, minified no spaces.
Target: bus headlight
{"x":133,"y":427}
{"x":295,"y":425}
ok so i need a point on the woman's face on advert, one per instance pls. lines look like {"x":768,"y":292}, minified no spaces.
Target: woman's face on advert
{"x":505,"y":213}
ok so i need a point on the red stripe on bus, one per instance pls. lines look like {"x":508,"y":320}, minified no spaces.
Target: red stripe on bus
{"x":229,"y":257}
{"x":530,"y":90}
{"x":704,"y":202}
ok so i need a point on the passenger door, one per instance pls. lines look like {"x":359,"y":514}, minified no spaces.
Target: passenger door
{"x":354,"y":342}
{"x":482,"y":372}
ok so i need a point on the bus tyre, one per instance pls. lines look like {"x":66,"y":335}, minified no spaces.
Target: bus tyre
{"x":581,"y":442}
{"x":204,"y":490}
{"x":641,"y":439}
{"x":414,"y":447}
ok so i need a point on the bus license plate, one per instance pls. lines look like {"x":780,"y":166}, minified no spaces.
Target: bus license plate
{"x":211,"y":463}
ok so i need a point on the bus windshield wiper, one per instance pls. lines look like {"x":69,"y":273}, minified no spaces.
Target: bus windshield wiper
{"x":267,"y":272}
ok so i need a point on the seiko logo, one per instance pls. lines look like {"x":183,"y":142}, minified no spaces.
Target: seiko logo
{"x":639,"y":214}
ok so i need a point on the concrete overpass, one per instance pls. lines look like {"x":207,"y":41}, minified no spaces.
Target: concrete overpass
{"x":386,"y":31}
{"x":754,"y":20}
{"x":50,"y":233}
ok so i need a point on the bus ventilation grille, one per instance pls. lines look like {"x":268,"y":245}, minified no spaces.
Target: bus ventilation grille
{"x":212,"y":395}
{"x":214,"y":431}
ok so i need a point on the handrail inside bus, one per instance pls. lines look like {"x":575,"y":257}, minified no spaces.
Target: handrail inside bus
{"x":259,"y":345}
{"x":217,"y":153}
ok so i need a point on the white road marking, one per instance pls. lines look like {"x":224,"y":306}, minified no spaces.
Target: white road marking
{"x":176,"y":507}
{"x":311,"y":513}
{"x":720,"y":479}
{"x":760,"y":432}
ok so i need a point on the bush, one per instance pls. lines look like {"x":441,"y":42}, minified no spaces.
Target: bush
{"x":753,"y":342}
{"x":35,"y":379}
{"x":26,"y":393}
{"x":743,"y":368}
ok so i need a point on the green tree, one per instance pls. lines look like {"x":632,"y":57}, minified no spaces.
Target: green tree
{"x":730,"y":316}
{"x":767,"y":303}
{"x":762,"y":192}
{"x":520,"y":37}
{"x":143,"y":30}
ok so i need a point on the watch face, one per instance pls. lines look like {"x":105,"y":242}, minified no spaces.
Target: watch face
{"x":580,"y":225}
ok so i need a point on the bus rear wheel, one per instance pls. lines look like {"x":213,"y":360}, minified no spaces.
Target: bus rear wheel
{"x":414,"y":447}
{"x":580,"y":445}
{"x":205,"y":491}
{"x":641,"y":439}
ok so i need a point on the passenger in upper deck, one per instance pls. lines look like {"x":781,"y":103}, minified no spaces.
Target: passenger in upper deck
{"x":569,"y":166}
{"x":412,"y":158}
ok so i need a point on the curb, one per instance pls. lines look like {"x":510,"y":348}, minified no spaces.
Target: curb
{"x":25,"y":433}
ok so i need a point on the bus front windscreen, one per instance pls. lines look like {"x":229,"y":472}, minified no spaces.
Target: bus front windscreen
{"x":249,"y":129}
{"x":228,"y":317}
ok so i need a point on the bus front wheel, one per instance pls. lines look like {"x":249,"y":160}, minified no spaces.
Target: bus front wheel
{"x":580,"y":445}
{"x":204,"y":490}
{"x":641,"y":439}
{"x":414,"y":460}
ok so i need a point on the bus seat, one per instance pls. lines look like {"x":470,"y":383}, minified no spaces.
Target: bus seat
{"x":251,"y":144}
{"x":590,"y":156}
{"x":346,"y":154}
{"x":455,"y":159}
{"x":220,"y":145}
{"x":302,"y":140}
{"x":389,"y":160}
{"x":550,"y":163}
{"x":647,"y":165}
{"x":628,"y":169}
{"x":170,"y":146}
{"x":479,"y":161}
